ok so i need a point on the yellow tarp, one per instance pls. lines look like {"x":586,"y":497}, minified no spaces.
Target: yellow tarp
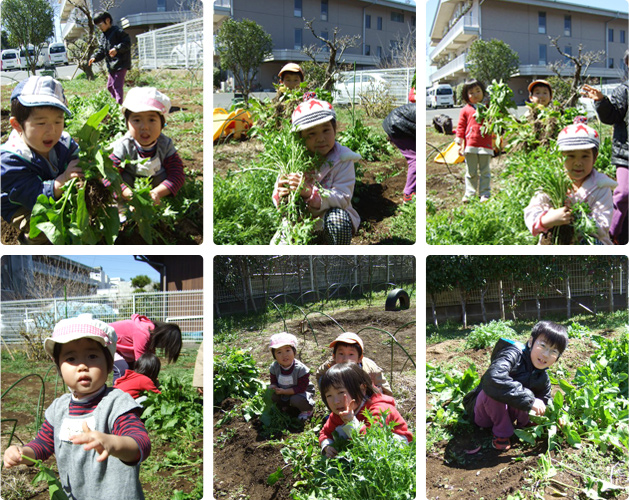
{"x":233,"y":124}
{"x":450,"y":155}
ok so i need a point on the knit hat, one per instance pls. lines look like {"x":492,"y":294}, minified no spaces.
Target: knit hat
{"x":41,"y":91}
{"x":578,"y":136}
{"x":348,"y":338}
{"x":292,"y":68}
{"x":82,"y":327}
{"x":141,"y":99}
{"x":540,"y":82}
{"x":312,"y":113}
{"x":282,"y":339}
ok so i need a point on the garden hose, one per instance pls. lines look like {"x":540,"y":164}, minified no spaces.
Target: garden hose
{"x":438,"y":151}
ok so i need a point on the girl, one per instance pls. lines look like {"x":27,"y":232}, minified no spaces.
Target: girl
{"x":90,"y":418}
{"x":347,"y":390}
{"x":139,"y":335}
{"x":328,"y":192}
{"x":143,"y":377}
{"x":477,"y":148}
{"x":289,"y":376}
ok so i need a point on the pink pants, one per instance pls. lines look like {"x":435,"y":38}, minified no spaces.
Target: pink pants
{"x":500,"y":417}
{"x":115,"y":85}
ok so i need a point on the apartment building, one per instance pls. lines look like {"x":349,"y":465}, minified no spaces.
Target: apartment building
{"x":526,"y":25}
{"x":381,"y":24}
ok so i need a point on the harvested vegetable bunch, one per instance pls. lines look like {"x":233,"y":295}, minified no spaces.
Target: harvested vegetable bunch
{"x":495,"y":118}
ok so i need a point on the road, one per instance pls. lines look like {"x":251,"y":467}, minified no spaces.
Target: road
{"x":63,"y":73}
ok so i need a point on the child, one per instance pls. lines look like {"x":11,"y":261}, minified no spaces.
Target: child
{"x":95,"y":432}
{"x":289,"y":376}
{"x":400,"y":127}
{"x":540,"y":93}
{"x":613,"y":111}
{"x":291,"y":76}
{"x":143,"y":377}
{"x":516,"y":382}
{"x":347,"y":391}
{"x":144,"y":110}
{"x":327,"y":192}
{"x":349,"y":347}
{"x":39,"y":157}
{"x":579,"y":144}
{"x":477,"y":148}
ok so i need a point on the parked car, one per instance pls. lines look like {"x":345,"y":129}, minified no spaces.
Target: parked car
{"x":192,"y":52}
{"x":351,"y":87}
{"x":57,"y":54}
{"x":10,"y":59}
{"x":440,"y":96}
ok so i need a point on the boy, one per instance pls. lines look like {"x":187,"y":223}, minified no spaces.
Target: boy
{"x":38,"y":157}
{"x":579,"y":145}
{"x":95,"y":432}
{"x":516,"y":382}
{"x":144,"y":110}
{"x":291,"y":76}
{"x":540,"y":93}
{"x":348,"y":347}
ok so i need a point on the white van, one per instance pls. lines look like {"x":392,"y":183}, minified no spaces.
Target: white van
{"x":440,"y":95}
{"x":31,"y":55}
{"x":57,"y":54}
{"x":10,"y":59}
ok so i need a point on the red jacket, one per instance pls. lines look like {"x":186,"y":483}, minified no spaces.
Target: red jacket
{"x":376,"y":404}
{"x":469,"y":129}
{"x":133,"y":383}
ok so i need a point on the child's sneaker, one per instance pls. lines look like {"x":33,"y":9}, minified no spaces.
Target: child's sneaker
{"x":305,"y":415}
{"x":501,"y":444}
{"x":408,"y":197}
{"x":483,"y":199}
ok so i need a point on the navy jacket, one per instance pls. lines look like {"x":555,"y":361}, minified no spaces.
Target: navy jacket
{"x":114,"y":38}
{"x":613,"y":111}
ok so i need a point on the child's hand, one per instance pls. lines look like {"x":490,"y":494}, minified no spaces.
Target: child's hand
{"x":348,"y":415}
{"x":71,"y":172}
{"x":273,"y":387}
{"x":127,"y":194}
{"x":12,"y":456}
{"x":556,"y":217}
{"x":539,"y":407}
{"x":330,"y":452}
{"x":155,"y":197}
{"x":94,"y":440}
{"x":592,"y":93}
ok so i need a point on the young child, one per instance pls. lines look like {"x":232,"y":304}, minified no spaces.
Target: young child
{"x":328,"y":192}
{"x":39,"y":157}
{"x":613,"y":111}
{"x":349,"y":347}
{"x":145,"y":109}
{"x":94,"y":431}
{"x":476,"y":147}
{"x":347,"y":391}
{"x":290,"y":378}
{"x":291,"y":76}
{"x":400,"y":127}
{"x":579,"y":145}
{"x":540,"y":93}
{"x":143,"y":377}
{"x":516,"y":382}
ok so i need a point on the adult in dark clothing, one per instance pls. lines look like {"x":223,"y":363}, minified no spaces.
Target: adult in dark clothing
{"x":115,"y":48}
{"x":516,"y":382}
{"x":400,"y":127}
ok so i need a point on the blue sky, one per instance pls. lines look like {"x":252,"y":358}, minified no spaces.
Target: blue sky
{"x":117,"y":266}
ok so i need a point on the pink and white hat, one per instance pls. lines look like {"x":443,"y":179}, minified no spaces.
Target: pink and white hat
{"x":141,"y":99}
{"x":312,"y":113}
{"x":578,"y":136}
{"x":82,"y":327}
{"x":282,"y":339}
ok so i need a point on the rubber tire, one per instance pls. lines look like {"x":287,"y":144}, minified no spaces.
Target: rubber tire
{"x":392,"y":300}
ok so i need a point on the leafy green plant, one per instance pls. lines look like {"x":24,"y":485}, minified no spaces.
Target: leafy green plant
{"x":274,"y":422}
{"x":362,"y":140}
{"x":578,"y":331}
{"x":404,"y":224}
{"x":45,"y":474}
{"x":488,"y":334}
{"x":495,"y":118}
{"x":235,"y":375}
{"x":448,"y":387}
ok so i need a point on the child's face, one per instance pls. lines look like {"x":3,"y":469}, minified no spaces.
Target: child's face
{"x":83,"y":366}
{"x":540,"y":95}
{"x":42,"y":129}
{"x":145,"y":127}
{"x":543,"y":353}
{"x":338,"y":399}
{"x":475,"y":95}
{"x":285,"y":356}
{"x":346,"y":353}
{"x":291,"y":80}
{"x":579,"y":164}
{"x":320,"y":138}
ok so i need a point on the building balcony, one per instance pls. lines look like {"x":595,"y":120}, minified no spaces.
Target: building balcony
{"x":67,"y":6}
{"x":222,"y":11}
{"x":298,"y":55}
{"x":454,"y":70}
{"x":154,"y":18}
{"x":461,"y":34}
{"x":72,"y":30}
{"x":538,"y":70}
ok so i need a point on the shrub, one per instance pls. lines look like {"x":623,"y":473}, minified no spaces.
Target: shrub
{"x":486,"y":335}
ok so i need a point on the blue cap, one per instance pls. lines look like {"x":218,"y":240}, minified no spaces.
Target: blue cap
{"x":41,"y":91}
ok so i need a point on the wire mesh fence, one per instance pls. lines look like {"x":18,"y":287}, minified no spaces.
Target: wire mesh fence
{"x":355,"y":85}
{"x":184,"y":308}
{"x":176,"y":46}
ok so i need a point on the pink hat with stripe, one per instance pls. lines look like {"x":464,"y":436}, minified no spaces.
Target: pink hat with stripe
{"x":141,"y":99}
{"x":82,"y":327}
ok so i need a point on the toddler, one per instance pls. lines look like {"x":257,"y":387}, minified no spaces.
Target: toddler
{"x":579,"y":145}
{"x":143,"y":377}
{"x":39,"y":157}
{"x":349,"y":347}
{"x":328,"y":191}
{"x":516,"y":382}
{"x":347,"y":391}
{"x":290,"y":378}
{"x":476,"y":147}
{"x":540,"y":93}
{"x":94,"y":431}
{"x":144,"y":110}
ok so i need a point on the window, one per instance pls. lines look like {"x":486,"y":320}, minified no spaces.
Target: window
{"x":568,"y":51}
{"x":610,"y":35}
{"x":368,"y":21}
{"x":297,"y":8}
{"x":623,"y":36}
{"x":324,"y":10}
{"x":367,"y":50}
{"x":380,"y":23}
{"x":610,"y":63}
{"x":298,"y":38}
{"x":397,"y":17}
{"x":542,"y":55}
{"x":379,"y":52}
{"x":413,"y":21}
{"x":541,"y":23}
{"x":567,"y":25}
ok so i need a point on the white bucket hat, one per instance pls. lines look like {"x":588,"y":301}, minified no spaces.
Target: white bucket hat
{"x":282,"y":339}
{"x":82,"y":327}
{"x":141,"y":99}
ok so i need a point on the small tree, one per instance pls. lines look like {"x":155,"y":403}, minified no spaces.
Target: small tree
{"x":140,"y":282}
{"x":242,"y":47}
{"x":28,"y":22}
{"x":492,"y":60}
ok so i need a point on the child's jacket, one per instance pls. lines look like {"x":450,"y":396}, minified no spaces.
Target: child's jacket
{"x":468,"y":129}
{"x":613,"y":111}
{"x":134,"y":335}
{"x":25,"y":174}
{"x":376,"y":404}
{"x":370,"y":367}
{"x":596,"y":190}
{"x":296,"y":377}
{"x":511,"y":379}
{"x":133,"y":383}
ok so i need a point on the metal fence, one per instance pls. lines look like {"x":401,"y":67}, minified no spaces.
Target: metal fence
{"x":352,"y":85}
{"x":176,"y":46}
{"x":184,"y":308}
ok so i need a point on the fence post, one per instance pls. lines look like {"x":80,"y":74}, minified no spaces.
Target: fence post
{"x":134,"y":311}
{"x":154,"y":50}
{"x":185,"y":44}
